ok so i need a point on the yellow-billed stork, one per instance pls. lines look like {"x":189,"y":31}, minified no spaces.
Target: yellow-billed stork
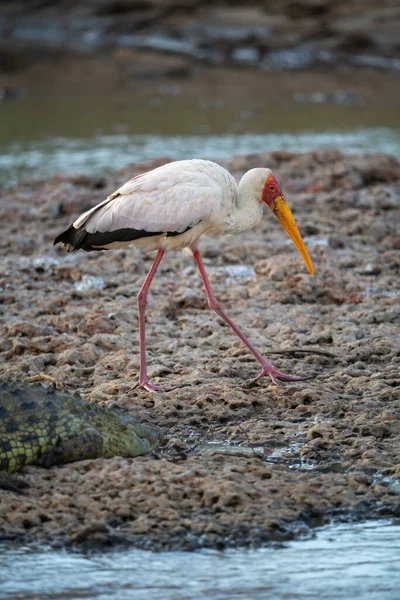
{"x":169,"y":208}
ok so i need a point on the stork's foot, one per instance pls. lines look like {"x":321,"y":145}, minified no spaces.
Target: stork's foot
{"x":151,"y":387}
{"x":277,"y":376}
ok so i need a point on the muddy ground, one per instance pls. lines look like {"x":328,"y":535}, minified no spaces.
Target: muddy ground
{"x":322,"y":449}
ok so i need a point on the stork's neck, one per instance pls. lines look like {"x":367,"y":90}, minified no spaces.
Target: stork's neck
{"x":247,"y":211}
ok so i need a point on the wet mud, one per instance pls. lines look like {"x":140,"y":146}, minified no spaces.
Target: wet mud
{"x":242,"y":463}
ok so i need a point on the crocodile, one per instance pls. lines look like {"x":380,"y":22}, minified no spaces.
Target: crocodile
{"x":45,"y":428}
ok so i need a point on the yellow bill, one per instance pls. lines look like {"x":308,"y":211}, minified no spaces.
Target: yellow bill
{"x":281,"y":208}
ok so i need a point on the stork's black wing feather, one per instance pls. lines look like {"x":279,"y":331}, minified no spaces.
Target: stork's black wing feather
{"x":76,"y":239}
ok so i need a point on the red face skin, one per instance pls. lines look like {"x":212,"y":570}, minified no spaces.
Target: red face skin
{"x":271,"y":191}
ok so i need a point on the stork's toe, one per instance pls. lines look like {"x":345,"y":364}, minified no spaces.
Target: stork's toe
{"x":277,"y":376}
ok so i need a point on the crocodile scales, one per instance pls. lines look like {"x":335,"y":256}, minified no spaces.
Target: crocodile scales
{"x":46,"y":428}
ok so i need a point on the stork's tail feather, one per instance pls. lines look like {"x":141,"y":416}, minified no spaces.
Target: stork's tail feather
{"x":71,"y":239}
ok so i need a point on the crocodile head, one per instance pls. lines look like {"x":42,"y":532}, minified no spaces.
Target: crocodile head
{"x":123,"y":435}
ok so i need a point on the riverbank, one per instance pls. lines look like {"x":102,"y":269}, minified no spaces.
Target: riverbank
{"x":107,"y":46}
{"x":156,"y":39}
{"x":327,"y":448}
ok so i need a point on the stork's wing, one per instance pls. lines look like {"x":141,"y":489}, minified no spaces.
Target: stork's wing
{"x":171,"y":198}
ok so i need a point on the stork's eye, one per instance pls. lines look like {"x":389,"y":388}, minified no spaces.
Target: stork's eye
{"x":272,"y":188}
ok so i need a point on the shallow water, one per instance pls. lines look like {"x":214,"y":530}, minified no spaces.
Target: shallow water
{"x":43,"y":136}
{"x":287,"y":455}
{"x":104,"y":152}
{"x":339,"y":562}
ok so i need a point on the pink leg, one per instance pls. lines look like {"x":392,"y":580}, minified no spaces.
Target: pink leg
{"x":141,"y":300}
{"x":267,"y":368}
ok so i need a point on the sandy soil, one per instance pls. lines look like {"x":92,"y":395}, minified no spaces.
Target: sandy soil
{"x":327,"y":448}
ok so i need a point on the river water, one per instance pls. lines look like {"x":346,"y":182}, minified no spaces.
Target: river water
{"x":347,"y":561}
{"x":44,"y":136}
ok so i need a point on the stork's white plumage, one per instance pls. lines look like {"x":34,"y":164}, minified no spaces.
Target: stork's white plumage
{"x":170,"y":208}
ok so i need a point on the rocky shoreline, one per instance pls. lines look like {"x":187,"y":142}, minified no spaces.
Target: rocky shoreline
{"x":242,"y":464}
{"x":166,"y":39}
